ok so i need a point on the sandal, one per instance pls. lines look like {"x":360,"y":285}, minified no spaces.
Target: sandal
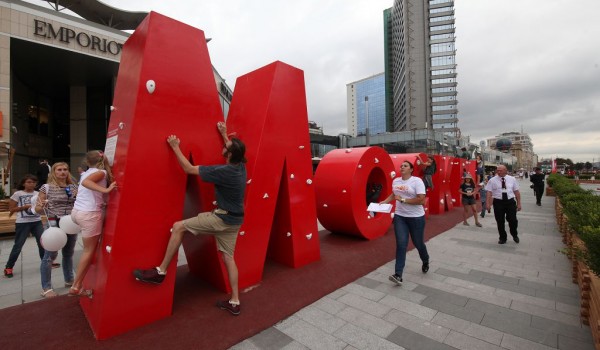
{"x":75,"y":292}
{"x":50,"y":293}
{"x":68,"y":284}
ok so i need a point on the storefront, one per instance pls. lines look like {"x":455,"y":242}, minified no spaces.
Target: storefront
{"x":57,"y":78}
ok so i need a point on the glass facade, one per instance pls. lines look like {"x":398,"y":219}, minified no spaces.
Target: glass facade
{"x":374,"y":89}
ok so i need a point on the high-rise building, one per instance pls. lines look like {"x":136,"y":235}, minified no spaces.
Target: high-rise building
{"x":420,"y":66}
{"x":366,"y":97}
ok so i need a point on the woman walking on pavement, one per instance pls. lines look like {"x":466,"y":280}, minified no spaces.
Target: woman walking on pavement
{"x":409,"y":218}
{"x":467,"y":189}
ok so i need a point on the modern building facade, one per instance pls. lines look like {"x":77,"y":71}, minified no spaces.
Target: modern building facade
{"x":366,"y":97}
{"x":521,"y":148}
{"x":57,"y":79}
{"x":420,"y":66}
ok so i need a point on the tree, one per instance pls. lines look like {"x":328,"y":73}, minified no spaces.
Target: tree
{"x":588,"y":165}
{"x":561,"y":161}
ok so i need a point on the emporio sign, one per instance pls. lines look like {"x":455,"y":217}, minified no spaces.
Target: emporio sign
{"x":67,"y":35}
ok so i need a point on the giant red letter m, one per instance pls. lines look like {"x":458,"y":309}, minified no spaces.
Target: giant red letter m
{"x":268,"y":113}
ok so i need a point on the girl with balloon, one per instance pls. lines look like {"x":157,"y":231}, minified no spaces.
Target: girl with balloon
{"x":88,"y":212}
{"x":56,"y":199}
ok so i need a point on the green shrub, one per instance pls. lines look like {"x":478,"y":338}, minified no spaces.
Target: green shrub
{"x":591,"y":237}
{"x":582,"y":209}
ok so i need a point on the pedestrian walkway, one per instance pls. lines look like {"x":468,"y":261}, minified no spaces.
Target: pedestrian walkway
{"x":477,"y":295}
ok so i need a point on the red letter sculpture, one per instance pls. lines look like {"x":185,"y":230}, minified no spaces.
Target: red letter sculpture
{"x":342,"y":178}
{"x":166,"y":86}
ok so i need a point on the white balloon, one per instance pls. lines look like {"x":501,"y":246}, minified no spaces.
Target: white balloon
{"x":66,"y":224}
{"x":54,"y":239}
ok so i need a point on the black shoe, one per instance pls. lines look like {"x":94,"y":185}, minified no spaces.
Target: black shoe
{"x":501,"y":241}
{"x":539,"y":204}
{"x":149,"y":276}
{"x":425,"y":267}
{"x":396,"y":279}
{"x":516,"y":239}
{"x":226,"y":305}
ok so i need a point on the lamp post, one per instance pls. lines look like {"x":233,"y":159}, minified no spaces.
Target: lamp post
{"x":367,"y":141}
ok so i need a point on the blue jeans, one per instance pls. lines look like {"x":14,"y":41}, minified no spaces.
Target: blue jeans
{"x":67,"y":263}
{"x":22,"y":231}
{"x":403,"y":226}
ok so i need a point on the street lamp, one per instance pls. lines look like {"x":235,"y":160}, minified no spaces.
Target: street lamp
{"x":367,"y":141}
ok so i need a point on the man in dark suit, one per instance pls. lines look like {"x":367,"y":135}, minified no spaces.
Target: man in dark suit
{"x":537,"y":180}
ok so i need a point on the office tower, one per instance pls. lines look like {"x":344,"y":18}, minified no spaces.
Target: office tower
{"x":420,"y":66}
{"x":366,"y":97}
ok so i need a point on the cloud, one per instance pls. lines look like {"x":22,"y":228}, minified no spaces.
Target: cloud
{"x":521,"y":64}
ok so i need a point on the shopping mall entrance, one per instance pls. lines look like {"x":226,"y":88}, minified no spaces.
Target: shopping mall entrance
{"x":60,"y":104}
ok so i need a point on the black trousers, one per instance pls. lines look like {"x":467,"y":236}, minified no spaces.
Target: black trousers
{"x":539,"y":192}
{"x":506,"y":209}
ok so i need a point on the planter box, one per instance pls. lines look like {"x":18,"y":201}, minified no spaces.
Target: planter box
{"x":550,"y":192}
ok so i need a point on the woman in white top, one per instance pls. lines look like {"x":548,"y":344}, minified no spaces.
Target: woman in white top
{"x":88,"y":211}
{"x":409,"y":218}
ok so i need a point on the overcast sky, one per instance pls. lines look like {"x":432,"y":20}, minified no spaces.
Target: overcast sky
{"x":522,"y":64}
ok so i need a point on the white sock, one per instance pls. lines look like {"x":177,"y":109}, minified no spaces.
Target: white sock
{"x":160,"y":272}
{"x":234,"y":302}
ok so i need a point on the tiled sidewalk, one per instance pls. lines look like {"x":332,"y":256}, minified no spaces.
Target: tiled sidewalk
{"x":477,"y":295}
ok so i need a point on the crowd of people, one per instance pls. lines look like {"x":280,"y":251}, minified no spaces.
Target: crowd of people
{"x":55,"y":194}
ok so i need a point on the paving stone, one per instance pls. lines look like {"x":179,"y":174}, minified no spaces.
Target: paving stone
{"x":367,"y":322}
{"x":367,"y":282}
{"x":364,"y":292}
{"x":452,"y":309}
{"x":320,"y":319}
{"x":361,"y":339}
{"x":245,"y":345}
{"x":521,"y":330}
{"x":548,"y":304}
{"x":512,"y":342}
{"x":297,"y":346}
{"x":417,"y":310}
{"x":418,"y":325}
{"x":499,"y":312}
{"x":556,"y":297}
{"x":309,"y":335}
{"x":329,"y":305}
{"x":509,"y":286}
{"x":270,"y":339}
{"x":574,"y":293}
{"x":415,"y":341}
{"x":402,"y":292}
{"x":469,"y":328}
{"x":463,"y":341}
{"x":369,"y":306}
{"x":442,"y":295}
{"x":546,"y":313}
{"x":494,"y":276}
{"x":566,"y":343}
{"x":458,"y":275}
{"x":580,"y":332}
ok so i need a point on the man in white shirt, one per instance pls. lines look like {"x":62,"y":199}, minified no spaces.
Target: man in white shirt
{"x":503,"y":193}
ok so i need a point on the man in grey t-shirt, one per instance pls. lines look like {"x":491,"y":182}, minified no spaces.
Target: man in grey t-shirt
{"x":223,"y":222}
